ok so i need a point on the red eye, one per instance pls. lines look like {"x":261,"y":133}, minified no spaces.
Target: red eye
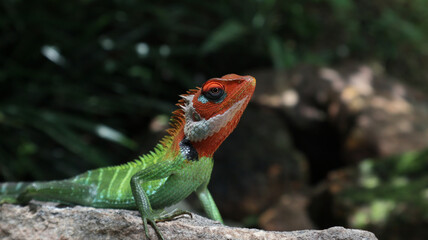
{"x":213,"y":90}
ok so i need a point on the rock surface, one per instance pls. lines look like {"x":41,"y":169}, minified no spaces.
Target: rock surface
{"x":47,"y":221}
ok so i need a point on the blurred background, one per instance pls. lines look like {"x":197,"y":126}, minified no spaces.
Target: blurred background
{"x":336,"y":133}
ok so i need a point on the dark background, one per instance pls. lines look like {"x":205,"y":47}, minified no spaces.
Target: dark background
{"x":335,"y":135}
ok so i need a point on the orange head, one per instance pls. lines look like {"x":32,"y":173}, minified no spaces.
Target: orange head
{"x":212,"y":112}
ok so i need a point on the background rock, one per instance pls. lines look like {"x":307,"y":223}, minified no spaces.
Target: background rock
{"x":255,"y":165}
{"x":290,"y":213}
{"x":338,"y":116}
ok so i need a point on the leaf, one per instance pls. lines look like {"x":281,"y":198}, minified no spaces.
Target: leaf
{"x":228,"y":32}
{"x":276,"y":52}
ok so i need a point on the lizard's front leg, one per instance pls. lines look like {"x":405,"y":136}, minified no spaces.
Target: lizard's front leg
{"x":148,"y":215}
{"x":208,"y":204}
{"x":143,"y":204}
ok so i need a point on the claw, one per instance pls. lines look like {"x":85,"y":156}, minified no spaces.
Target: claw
{"x":155,"y":227}
{"x":165,"y":217}
{"x":146,"y":230}
{"x":173,"y":214}
{"x":151,"y":222}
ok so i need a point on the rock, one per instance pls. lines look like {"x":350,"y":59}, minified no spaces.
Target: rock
{"x":290,"y":213}
{"x":47,"y":221}
{"x":303,"y":100}
{"x":340,"y":115}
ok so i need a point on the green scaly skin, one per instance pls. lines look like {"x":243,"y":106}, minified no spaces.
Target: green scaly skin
{"x":181,"y":164}
{"x":156,"y":183}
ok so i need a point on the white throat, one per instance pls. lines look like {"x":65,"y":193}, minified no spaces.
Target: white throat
{"x":197,"y":128}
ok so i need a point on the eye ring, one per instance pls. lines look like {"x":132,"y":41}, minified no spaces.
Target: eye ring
{"x":213,"y":90}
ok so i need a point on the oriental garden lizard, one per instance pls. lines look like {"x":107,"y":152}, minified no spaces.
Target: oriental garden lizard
{"x":179,"y":165}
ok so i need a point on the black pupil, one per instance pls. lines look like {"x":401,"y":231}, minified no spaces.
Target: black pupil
{"x":214,"y":90}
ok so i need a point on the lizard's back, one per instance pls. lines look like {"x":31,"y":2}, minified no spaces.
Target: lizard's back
{"x":107,"y":187}
{"x":112,"y":184}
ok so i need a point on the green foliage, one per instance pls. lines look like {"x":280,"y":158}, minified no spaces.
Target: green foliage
{"x":391,"y":193}
{"x":68,"y":69}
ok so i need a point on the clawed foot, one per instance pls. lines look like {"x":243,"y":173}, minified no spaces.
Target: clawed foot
{"x":152,"y":222}
{"x":162,"y":218}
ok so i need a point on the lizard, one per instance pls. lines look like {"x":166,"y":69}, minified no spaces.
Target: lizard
{"x":181,"y":163}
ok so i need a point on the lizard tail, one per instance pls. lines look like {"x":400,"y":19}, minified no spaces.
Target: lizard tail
{"x":64,"y":191}
{"x":10,"y":191}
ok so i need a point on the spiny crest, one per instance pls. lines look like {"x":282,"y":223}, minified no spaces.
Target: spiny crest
{"x":144,"y":160}
{"x":177,"y":118}
{"x":148,"y":158}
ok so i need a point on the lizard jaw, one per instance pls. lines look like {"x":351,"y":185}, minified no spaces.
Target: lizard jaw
{"x":197,"y":128}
